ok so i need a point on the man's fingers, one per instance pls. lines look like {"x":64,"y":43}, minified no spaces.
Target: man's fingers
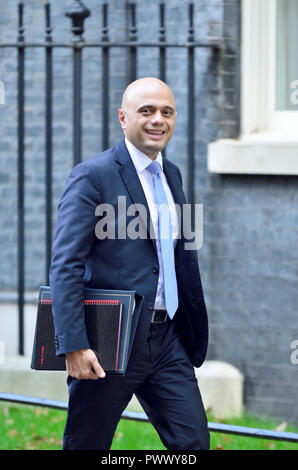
{"x":83,"y":364}
{"x":83,"y":374}
{"x":92,"y":375}
{"x":97,"y":368}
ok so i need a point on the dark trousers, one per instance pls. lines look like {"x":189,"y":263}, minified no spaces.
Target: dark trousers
{"x":163,"y":380}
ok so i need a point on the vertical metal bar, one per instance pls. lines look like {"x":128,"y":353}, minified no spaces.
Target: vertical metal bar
{"x":162,"y":49}
{"x":105,"y":79}
{"x":77,"y":105}
{"x":191,"y":109}
{"x":48,"y":106}
{"x":77,"y":12}
{"x":132,"y":70}
{"x":162,"y":38}
{"x":21,"y":133}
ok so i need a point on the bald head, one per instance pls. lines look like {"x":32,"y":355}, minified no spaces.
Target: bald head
{"x":147,"y":114}
{"x":143,"y":86}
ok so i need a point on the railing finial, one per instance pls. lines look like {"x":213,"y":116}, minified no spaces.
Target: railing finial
{"x":21,"y":37}
{"x":78,"y":13}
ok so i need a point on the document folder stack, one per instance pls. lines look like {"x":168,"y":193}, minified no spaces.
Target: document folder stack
{"x":111,"y":319}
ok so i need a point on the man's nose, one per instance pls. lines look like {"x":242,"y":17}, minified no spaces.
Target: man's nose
{"x":157,"y":117}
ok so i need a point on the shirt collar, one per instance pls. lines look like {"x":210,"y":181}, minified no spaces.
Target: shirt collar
{"x":140,"y":160}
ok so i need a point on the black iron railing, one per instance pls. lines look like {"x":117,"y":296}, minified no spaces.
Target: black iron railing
{"x":139,"y":416}
{"x":77,"y":13}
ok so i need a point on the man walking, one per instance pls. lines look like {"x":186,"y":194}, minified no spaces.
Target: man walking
{"x":172,"y":332}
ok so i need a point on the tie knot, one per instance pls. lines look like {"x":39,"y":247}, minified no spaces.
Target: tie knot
{"x":154,"y":168}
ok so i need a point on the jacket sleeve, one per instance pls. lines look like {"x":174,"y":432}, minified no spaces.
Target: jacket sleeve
{"x":75,"y":234}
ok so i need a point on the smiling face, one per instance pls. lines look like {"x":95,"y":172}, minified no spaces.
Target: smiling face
{"x":147,"y":115}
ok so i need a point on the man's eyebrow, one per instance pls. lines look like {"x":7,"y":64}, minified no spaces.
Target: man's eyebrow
{"x":170,"y":107}
{"x":152,"y":106}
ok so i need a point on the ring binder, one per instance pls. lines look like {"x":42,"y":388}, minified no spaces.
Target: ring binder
{"x":111,"y":318}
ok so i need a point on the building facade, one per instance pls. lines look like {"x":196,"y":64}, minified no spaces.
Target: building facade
{"x":245,"y":168}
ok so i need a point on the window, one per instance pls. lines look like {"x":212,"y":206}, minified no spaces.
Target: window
{"x":286,"y":40}
{"x":269,"y":93}
{"x":283,"y":114}
{"x":269,"y":66}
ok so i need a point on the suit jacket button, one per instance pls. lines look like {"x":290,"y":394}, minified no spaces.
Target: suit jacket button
{"x":150,"y":306}
{"x":155,"y":269}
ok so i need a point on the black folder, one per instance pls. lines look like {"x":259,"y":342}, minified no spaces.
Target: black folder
{"x":111,"y":318}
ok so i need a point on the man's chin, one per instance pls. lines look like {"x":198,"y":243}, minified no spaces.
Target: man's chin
{"x":155,"y":147}
{"x":151,"y":149}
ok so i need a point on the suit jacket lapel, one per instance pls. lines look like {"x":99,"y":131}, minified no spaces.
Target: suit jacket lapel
{"x":173,"y":182}
{"x":133,"y":185}
{"x":178,"y":196}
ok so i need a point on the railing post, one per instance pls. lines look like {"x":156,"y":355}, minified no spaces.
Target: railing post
{"x":191,"y":109}
{"x":21,"y":154}
{"x":132,"y":71}
{"x":77,"y":12}
{"x":48,"y":125}
{"x":105,"y":79}
{"x":162,"y":50}
{"x":162,"y":38}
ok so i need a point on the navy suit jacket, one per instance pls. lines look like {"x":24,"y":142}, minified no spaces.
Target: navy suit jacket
{"x":80,"y":258}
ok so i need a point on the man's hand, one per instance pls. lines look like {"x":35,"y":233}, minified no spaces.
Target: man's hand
{"x":83,"y":364}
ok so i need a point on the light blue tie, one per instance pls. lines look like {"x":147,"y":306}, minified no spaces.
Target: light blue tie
{"x":166,"y":241}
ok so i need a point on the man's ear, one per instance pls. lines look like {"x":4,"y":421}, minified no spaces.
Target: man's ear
{"x":121,"y":117}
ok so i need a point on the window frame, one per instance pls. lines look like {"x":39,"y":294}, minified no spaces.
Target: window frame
{"x":258,"y":50}
{"x":268,"y":140}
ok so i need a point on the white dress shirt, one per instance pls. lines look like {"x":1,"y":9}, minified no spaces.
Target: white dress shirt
{"x":141,"y":161}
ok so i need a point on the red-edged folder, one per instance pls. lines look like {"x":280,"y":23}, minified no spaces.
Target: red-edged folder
{"x":110,"y":317}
